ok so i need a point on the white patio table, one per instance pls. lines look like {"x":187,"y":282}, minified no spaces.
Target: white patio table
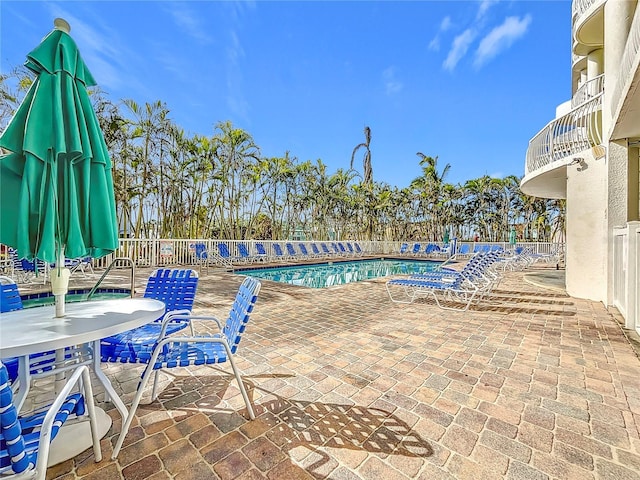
{"x":35,"y":330}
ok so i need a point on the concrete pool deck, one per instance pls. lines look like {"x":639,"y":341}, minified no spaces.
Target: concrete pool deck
{"x":531,"y":384}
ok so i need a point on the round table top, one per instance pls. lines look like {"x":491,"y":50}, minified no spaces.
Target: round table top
{"x":34,"y":330}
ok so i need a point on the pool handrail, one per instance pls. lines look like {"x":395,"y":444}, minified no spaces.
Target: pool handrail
{"x":118,"y":261}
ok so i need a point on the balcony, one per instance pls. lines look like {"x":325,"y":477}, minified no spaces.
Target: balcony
{"x":588,"y":25}
{"x":554,"y":147}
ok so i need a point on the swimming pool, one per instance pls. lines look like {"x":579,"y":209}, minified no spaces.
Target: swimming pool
{"x":77,"y":295}
{"x":321,"y":275}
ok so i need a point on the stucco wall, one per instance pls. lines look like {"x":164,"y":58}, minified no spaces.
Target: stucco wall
{"x":586,"y":254}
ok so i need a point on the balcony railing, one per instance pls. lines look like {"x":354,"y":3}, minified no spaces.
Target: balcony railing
{"x":588,"y":90}
{"x":579,"y":7}
{"x":627,"y":62}
{"x":578,"y":130}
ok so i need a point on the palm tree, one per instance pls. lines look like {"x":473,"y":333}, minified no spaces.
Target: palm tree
{"x":366,"y":164}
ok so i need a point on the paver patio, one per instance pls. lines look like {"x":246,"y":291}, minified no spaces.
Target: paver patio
{"x":348,"y":385}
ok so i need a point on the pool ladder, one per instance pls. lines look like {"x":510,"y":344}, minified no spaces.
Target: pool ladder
{"x":117,"y":262}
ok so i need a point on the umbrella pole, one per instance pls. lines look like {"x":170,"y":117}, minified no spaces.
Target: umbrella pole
{"x":60,"y":283}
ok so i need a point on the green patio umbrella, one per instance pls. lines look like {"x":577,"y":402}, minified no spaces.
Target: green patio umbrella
{"x":57,"y":197}
{"x":513,"y":236}
{"x":446,"y":237}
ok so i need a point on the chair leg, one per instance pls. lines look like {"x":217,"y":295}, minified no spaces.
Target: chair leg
{"x":154,"y":390}
{"x":134,"y":406}
{"x":252,"y":415}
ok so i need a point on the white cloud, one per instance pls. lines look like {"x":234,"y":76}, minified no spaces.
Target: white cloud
{"x":485,"y":5}
{"x":501,"y":38}
{"x":445,"y":25}
{"x":189,"y":22}
{"x":103,"y":50}
{"x":391,"y":84}
{"x":458,"y":49}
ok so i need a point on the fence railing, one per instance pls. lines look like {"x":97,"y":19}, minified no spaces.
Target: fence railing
{"x":179,"y":252}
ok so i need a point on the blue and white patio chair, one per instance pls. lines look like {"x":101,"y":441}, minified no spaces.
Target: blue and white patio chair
{"x":291,"y":251}
{"x":315,"y":250}
{"x":457,"y":294}
{"x":243,"y":252}
{"x":303,"y":250}
{"x":415,"y":250}
{"x":359,"y":250}
{"x":179,"y":351}
{"x":177,"y":289}
{"x":277,"y":250}
{"x":326,"y":251}
{"x":464,"y":251}
{"x":261,"y":252}
{"x":404,"y":248}
{"x":25,"y":440}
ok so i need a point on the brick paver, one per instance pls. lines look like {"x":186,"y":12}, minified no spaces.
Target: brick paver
{"x":347,"y":385}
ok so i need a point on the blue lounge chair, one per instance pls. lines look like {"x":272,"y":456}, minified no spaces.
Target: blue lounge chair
{"x":404,"y":248}
{"x":303,"y":250}
{"x":177,"y":289}
{"x":416,"y":249}
{"x":179,"y":351}
{"x":359,"y":250}
{"x":342,"y":250}
{"x":316,"y":251}
{"x":243,"y":251}
{"x":326,"y":250}
{"x":457,"y":294}
{"x":25,"y":440}
{"x":277,"y":250}
{"x":261,"y":252}
{"x":290,"y":250}
{"x":464,"y":250}
{"x":223,"y":251}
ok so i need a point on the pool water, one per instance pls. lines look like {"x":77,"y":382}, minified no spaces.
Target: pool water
{"x":321,"y":275}
{"x":39,"y":300}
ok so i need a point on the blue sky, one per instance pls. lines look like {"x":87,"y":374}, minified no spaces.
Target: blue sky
{"x":468,"y":81}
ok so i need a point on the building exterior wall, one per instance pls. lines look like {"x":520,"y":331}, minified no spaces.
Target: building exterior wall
{"x":586,"y":255}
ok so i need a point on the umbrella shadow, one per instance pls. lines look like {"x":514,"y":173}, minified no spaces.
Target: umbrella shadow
{"x":298,"y":427}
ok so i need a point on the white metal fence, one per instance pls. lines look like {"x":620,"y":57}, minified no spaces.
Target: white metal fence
{"x":626,"y":273}
{"x":173,"y":252}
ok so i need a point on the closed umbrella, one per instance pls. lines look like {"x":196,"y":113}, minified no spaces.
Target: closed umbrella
{"x":57,"y":195}
{"x":446,"y":237}
{"x":512,"y":236}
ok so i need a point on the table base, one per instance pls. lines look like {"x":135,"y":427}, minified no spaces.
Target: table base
{"x":72,"y":440}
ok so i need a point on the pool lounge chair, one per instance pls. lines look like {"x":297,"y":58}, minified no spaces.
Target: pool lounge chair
{"x":261,"y":252}
{"x":243,"y":252}
{"x":303,"y":250}
{"x":291,"y":251}
{"x":359,"y":251}
{"x":449,"y":295}
{"x":326,"y":251}
{"x":315,"y":250}
{"x":278,"y":253}
{"x":404,"y":248}
{"x":208,"y":349}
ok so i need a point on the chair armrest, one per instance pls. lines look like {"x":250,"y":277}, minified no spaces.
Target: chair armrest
{"x":185,"y":315}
